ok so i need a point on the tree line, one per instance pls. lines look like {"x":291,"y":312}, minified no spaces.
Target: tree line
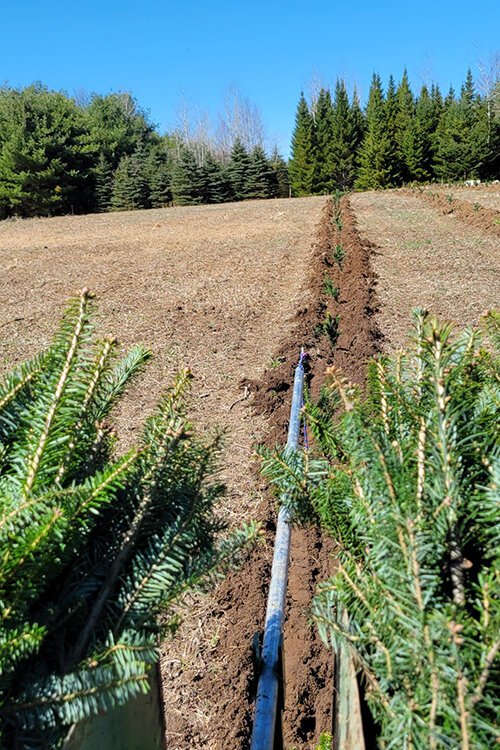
{"x":59,"y":156}
{"x":397,"y":139}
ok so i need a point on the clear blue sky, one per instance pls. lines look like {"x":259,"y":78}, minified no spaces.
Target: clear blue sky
{"x":159,"y":50}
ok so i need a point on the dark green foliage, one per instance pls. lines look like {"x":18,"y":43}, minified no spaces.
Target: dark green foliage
{"x":103,"y":175}
{"x":407,"y":479}
{"x":45,"y":154}
{"x":94,"y":546}
{"x":346,"y":136}
{"x":376,"y":151}
{"x":260,"y":182}
{"x":216,"y":184}
{"x":280,"y":180}
{"x":130,"y":187}
{"x":157,"y":171}
{"x":324,"y":131}
{"x":303,"y":162}
{"x":187,"y":179}
{"x":239,"y":171}
{"x":462,"y":136}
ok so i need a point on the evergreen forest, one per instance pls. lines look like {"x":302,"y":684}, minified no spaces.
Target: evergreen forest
{"x":63,"y":155}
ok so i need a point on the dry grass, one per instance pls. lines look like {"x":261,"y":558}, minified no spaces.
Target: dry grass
{"x":425,"y":259}
{"x":487,"y":196}
{"x":213,"y":288}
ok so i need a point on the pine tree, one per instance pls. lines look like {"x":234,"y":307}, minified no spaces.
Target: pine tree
{"x":158,"y":177}
{"x":302,"y":165}
{"x":345,"y":140}
{"x":130,"y":189}
{"x":417,"y":143}
{"x":187,"y":179}
{"x":281,"y":183}
{"x":324,"y":143}
{"x":94,"y":546}
{"x":239,"y":170}
{"x":103,"y":173}
{"x":462,"y":135}
{"x":376,"y":150}
{"x":260,"y":175}
{"x":216,"y":187}
{"x":393,"y":155}
{"x":405,"y":132}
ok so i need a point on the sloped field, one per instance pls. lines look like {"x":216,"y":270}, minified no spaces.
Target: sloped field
{"x":233,"y":291}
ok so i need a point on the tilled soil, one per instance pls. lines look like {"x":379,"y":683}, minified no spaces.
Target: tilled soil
{"x":227,"y":290}
{"x":482,"y":214}
{"x":422,"y":258}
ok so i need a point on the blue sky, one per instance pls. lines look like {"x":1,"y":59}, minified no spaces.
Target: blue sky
{"x":162,"y":51}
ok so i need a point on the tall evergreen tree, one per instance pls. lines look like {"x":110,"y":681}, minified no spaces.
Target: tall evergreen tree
{"x":376,"y":150}
{"x":302,"y":166}
{"x":187,"y":179}
{"x":391,"y":113}
{"x":324,"y":180}
{"x":216,"y":187}
{"x":260,"y":175}
{"x":130,"y":187}
{"x":239,"y":170}
{"x":405,"y":134}
{"x":462,"y":135}
{"x":159,"y":179}
{"x":281,"y":183}
{"x":103,"y":174}
{"x":345,"y":140}
{"x":46,"y":158}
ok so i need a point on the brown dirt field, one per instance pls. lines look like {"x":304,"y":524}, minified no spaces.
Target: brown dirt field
{"x":219,"y":289}
{"x":424,"y":258}
{"x":486,"y":195}
{"x":474,"y":213}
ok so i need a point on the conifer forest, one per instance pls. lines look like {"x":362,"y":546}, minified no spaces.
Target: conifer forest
{"x":215,"y":351}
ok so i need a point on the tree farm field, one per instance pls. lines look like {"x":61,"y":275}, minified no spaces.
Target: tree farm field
{"x":220,"y":289}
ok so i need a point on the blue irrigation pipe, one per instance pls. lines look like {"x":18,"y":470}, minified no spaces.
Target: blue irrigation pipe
{"x":264,"y":727}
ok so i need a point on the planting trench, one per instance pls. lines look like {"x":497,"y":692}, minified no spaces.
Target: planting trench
{"x":241,"y":600}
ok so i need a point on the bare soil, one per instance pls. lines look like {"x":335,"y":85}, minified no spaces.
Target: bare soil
{"x":234,"y":291}
{"x":483,"y":214}
{"x":422,"y":258}
{"x":483,"y":195}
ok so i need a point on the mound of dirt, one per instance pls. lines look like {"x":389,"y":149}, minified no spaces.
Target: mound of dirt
{"x":474,"y":214}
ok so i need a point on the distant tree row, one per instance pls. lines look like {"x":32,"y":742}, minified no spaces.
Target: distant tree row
{"x":398,"y":138}
{"x":59,"y":156}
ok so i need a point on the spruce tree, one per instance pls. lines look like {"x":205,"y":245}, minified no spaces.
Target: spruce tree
{"x":216,"y":187}
{"x":260,"y":175}
{"x":302,"y":165}
{"x":418,"y":139}
{"x":462,"y":135}
{"x":130,"y":188}
{"x":405,"y":133}
{"x":393,"y":155}
{"x":103,"y":174}
{"x":281,"y":183}
{"x":345,"y":140}
{"x":238,"y":170}
{"x":376,"y":150}
{"x":187,"y":179}
{"x":324,"y":143}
